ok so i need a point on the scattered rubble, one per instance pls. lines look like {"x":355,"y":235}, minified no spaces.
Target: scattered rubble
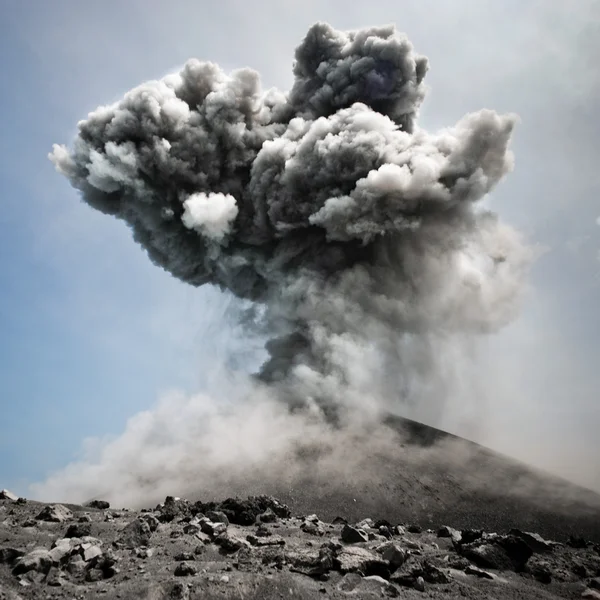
{"x":236,"y":542}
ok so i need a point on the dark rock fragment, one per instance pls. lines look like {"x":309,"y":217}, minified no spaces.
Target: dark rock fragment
{"x":7,"y":495}
{"x":352,"y":535}
{"x":78,"y":530}
{"x":137,"y":533}
{"x":185,"y":569}
{"x":98,"y":504}
{"x":470,"y":570}
{"x":535,"y":541}
{"x":10,"y":555}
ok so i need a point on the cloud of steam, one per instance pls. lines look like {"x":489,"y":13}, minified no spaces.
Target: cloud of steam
{"x":356,"y":232}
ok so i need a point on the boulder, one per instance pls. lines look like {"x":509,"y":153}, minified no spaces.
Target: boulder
{"x":137,"y":533}
{"x":10,"y":555}
{"x":449,"y":532}
{"x":268,"y":516}
{"x":353,"y":535}
{"x":212,"y":529}
{"x":55,"y":513}
{"x":218,"y":516}
{"x":353,"y":559}
{"x":393,"y":554}
{"x":78,"y":530}
{"x":173,"y":508}
{"x":274,"y":540}
{"x":373,"y":584}
{"x":535,"y":541}
{"x":313,"y":526}
{"x":185,"y":569}
{"x":471,"y":570}
{"x":7,"y":495}
{"x":591,"y":594}
{"x":310,"y":563}
{"x":38,"y":560}
{"x":98,"y":504}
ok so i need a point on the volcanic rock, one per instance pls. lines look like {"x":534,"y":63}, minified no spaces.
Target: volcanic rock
{"x":10,"y":555}
{"x":535,"y":541}
{"x":37,"y":560}
{"x":7,"y":495}
{"x":353,"y":535}
{"x":393,"y":554}
{"x":470,"y":570}
{"x":56,"y":513}
{"x":98,"y":504}
{"x":78,"y":530}
{"x":352,"y":559}
{"x":137,"y":533}
{"x":313,"y":526}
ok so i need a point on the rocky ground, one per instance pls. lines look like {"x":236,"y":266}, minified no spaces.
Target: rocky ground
{"x":255,"y":548}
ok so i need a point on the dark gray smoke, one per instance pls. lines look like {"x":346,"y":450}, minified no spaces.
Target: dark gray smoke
{"x":356,"y":232}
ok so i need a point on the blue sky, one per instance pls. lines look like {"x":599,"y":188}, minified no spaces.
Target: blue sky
{"x":91,"y":332}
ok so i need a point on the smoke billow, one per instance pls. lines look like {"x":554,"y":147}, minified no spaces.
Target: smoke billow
{"x":356,"y":234}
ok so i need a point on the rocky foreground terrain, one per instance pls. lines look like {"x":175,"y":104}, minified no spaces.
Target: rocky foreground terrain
{"x":256,"y":548}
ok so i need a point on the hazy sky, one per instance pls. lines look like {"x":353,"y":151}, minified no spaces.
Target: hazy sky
{"x":91,"y":333}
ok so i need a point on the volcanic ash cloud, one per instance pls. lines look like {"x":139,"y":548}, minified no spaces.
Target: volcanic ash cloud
{"x":357,"y":232}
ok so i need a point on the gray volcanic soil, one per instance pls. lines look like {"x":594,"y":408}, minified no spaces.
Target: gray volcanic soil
{"x":262,"y":548}
{"x":182,"y":550}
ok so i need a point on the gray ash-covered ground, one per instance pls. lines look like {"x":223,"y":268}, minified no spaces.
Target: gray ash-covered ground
{"x":256,"y":548}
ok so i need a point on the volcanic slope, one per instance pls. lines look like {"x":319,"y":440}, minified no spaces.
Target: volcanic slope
{"x":408,"y":472}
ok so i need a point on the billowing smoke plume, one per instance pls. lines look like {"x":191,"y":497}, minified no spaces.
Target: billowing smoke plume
{"x":355,"y":232}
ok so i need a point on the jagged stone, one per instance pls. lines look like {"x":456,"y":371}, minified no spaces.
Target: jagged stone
{"x":230,"y":544}
{"x":55,"y":513}
{"x":471,"y":570}
{"x":10,"y":555}
{"x":414,"y":529}
{"x":365,"y":524}
{"x":185,"y":569}
{"x":91,"y":553}
{"x":591,"y":594}
{"x":218,"y":516}
{"x":274,"y":540}
{"x":8,"y":495}
{"x":99,"y":504}
{"x":212,"y":529}
{"x":535,"y":541}
{"x":313,"y":526}
{"x":37,"y":560}
{"x":184,"y":556}
{"x":576,"y":541}
{"x":173,"y":508}
{"x":393,"y":554}
{"x":137,"y":533}
{"x":449,"y":532}
{"x":419,"y":584}
{"x":356,"y":559}
{"x":78,"y":530}
{"x":353,"y":535}
{"x":268,"y":516}
{"x":245,"y":512}
{"x":374,"y":584}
